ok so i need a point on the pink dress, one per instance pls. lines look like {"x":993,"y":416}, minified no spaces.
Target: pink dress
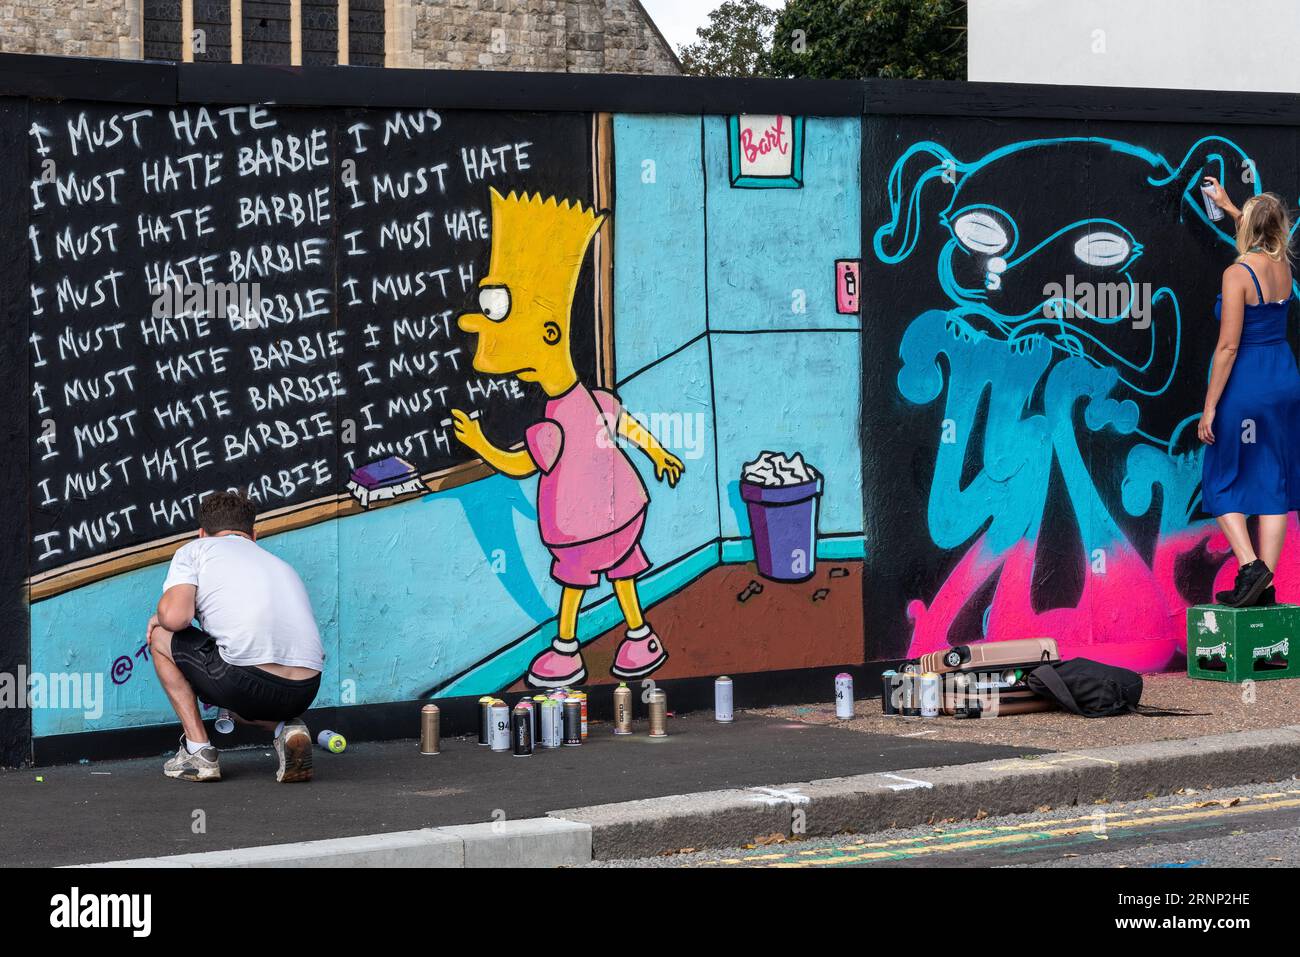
{"x":591,"y":501}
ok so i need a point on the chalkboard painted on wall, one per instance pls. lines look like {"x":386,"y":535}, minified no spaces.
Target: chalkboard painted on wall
{"x":265,"y":299}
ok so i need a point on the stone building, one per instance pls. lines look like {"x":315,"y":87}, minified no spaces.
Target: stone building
{"x":570,"y":36}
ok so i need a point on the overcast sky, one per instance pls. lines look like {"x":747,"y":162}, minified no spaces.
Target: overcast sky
{"x":679,"y":19}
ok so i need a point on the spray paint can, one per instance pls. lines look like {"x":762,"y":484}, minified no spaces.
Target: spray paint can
{"x":658,"y":714}
{"x":581,"y":697}
{"x":521,"y":730}
{"x":527,"y":705}
{"x":551,"y":724}
{"x":929,"y":698}
{"x":537,"y":718}
{"x":572,"y":723}
{"x":1211,"y":207}
{"x":430,"y":729}
{"x":844,"y":696}
{"x":332,"y":741}
{"x":723,"y":700}
{"x":888,"y":687}
{"x":500,"y":726}
{"x":485,"y":721}
{"x":224,"y":723}
{"x":622,"y":709}
{"x":908,"y":698}
{"x":966,"y":699}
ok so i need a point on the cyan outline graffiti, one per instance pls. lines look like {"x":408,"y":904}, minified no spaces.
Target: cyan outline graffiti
{"x":1001,"y":355}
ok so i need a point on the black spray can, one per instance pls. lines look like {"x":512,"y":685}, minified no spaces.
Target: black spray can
{"x":889,"y":691}
{"x":521,"y":732}
{"x":909,"y":696}
{"x":966,"y":699}
{"x":572,"y":723}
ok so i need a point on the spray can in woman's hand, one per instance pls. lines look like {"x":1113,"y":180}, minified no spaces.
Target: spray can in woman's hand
{"x":1212,"y":209}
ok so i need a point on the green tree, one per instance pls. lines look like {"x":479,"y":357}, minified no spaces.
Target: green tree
{"x":735,"y":41}
{"x":853,"y":39}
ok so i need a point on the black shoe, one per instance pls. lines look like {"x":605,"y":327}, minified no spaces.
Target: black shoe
{"x":1252,"y":579}
{"x":1267,"y":597}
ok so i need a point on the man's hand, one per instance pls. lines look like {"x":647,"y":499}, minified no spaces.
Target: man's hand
{"x":148,"y":629}
{"x":666,"y":465}
{"x":468,"y":431}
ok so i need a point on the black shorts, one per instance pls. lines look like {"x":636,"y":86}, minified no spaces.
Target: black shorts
{"x":251,"y":693}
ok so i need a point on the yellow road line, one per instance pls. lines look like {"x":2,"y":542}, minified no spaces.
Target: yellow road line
{"x":1023,"y":836}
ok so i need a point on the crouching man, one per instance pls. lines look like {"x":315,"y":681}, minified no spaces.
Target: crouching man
{"x":256,"y":652}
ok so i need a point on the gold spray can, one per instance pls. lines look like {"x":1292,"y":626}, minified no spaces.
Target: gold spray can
{"x":658,"y":714}
{"x":622,"y":709}
{"x":430,"y":729}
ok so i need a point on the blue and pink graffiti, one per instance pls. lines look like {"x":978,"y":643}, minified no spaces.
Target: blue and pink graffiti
{"x":1025,"y":360}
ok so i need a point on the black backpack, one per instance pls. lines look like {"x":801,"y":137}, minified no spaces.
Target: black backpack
{"x":1091,"y":689}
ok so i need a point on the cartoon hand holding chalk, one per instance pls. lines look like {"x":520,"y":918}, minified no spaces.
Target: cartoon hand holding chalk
{"x":591,"y":502}
{"x":468,"y":431}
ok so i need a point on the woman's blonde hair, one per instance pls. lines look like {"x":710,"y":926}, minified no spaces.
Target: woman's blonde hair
{"x":1265,"y":227}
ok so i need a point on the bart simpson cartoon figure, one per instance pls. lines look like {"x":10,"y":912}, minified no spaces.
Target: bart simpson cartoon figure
{"x":591,"y":502}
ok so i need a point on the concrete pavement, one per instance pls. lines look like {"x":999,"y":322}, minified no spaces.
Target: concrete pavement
{"x":107,"y":811}
{"x":705,"y":786}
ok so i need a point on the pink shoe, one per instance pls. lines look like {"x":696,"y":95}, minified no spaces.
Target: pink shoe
{"x":639,"y":654}
{"x":557,"y":667}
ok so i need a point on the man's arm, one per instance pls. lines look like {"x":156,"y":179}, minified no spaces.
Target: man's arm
{"x":176,"y":607}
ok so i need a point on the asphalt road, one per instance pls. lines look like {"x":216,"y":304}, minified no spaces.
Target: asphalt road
{"x":1251,"y":826}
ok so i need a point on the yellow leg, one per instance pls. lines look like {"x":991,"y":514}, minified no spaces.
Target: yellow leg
{"x":570,"y":602}
{"x":625,"y":591}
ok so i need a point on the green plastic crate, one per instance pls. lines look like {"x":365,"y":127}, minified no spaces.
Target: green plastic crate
{"x":1240,"y":644}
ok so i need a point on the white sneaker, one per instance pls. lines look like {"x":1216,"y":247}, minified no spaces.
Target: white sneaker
{"x":293,"y":746}
{"x":204,"y":766}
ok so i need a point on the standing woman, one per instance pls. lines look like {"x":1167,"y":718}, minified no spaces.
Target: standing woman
{"x":1251,"y":422}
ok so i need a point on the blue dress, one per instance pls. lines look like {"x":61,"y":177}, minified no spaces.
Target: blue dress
{"x":1253,"y":466}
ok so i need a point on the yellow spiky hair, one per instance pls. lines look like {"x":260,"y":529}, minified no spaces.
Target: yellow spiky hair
{"x":539,"y":244}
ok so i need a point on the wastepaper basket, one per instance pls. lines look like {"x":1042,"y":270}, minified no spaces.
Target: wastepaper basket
{"x":783,"y":521}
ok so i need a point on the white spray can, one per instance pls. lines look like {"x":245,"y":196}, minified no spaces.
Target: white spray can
{"x":844,"y":696}
{"x":929,"y":695}
{"x":1212,"y":209}
{"x":224,"y":723}
{"x":723,"y":700}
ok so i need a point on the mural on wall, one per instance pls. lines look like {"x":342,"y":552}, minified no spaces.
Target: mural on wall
{"x":591,"y":502}
{"x":1041,"y":356}
{"x":339,"y":380}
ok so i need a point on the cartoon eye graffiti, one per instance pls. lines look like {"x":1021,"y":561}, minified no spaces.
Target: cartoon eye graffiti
{"x":494,"y":302}
{"x":1102,"y":249}
{"x":980,"y":232}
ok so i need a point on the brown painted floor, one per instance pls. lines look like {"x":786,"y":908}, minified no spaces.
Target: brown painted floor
{"x":708,"y":631}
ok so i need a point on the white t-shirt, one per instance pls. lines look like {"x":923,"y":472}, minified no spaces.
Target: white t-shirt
{"x":252,"y":603}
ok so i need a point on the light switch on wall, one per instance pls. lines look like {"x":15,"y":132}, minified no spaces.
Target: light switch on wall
{"x":848,"y":284}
